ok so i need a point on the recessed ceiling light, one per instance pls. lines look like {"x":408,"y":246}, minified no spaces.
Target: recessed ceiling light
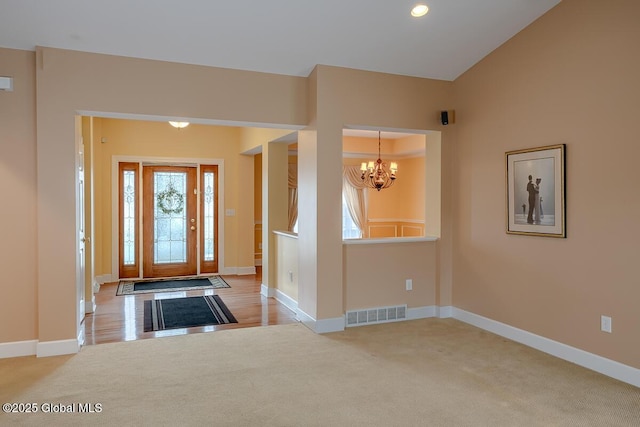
{"x":179,"y":125}
{"x":419,"y":10}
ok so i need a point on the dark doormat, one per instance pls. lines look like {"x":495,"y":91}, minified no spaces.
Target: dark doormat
{"x":170,"y":285}
{"x":187,"y":312}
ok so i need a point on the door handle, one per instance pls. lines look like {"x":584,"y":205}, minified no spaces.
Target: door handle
{"x":193,"y":227}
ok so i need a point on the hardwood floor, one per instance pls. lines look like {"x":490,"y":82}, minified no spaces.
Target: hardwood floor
{"x":120,"y":318}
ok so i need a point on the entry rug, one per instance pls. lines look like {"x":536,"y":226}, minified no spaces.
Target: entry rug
{"x":171,"y":285}
{"x":187,"y":312}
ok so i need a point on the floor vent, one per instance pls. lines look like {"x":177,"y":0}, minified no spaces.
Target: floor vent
{"x":376,"y":315}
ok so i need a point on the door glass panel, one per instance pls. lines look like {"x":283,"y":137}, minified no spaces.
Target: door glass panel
{"x":170,"y":220}
{"x":129,"y":216}
{"x":208,"y":219}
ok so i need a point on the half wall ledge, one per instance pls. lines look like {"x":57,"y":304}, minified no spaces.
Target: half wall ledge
{"x":389,"y":240}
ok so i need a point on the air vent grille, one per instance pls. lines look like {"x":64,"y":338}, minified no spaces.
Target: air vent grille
{"x":376,"y":315}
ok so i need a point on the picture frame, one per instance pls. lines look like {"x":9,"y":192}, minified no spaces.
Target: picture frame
{"x":535,"y":182}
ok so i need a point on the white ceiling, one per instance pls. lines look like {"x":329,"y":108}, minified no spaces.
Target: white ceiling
{"x":276,"y":36}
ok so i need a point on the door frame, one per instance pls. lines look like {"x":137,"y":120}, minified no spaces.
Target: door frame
{"x":161,"y":161}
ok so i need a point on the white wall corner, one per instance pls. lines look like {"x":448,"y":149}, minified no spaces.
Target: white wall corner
{"x":583,"y":358}
{"x":57,"y":348}
{"x":18,"y":349}
{"x":243,"y":271}
{"x":445,"y":311}
{"x":306,"y":320}
{"x":322,"y":326}
{"x":421,"y":312}
{"x":267,"y":291}
{"x":286,"y":300}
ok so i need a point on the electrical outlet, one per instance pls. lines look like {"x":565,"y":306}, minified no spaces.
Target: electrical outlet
{"x":605,"y":324}
{"x":409,"y":284}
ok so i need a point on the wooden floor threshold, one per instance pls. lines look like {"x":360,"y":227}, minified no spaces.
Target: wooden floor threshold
{"x":120,"y":318}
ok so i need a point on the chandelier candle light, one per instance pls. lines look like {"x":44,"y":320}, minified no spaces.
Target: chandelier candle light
{"x":375,"y":175}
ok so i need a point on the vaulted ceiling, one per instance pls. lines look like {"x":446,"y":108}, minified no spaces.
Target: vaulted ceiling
{"x":276,"y":36}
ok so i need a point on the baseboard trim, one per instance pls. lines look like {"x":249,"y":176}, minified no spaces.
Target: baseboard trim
{"x":245,"y":271}
{"x":228,"y":270}
{"x":80,"y":339}
{"x":266,"y":291}
{"x":321,"y":326}
{"x":18,"y":349}
{"x":600,"y":364}
{"x":238,"y":271}
{"x":286,"y":300}
{"x":90,"y":305}
{"x":104,"y":278}
{"x":57,"y":348}
{"x":444,"y":312}
{"x":421,"y":312}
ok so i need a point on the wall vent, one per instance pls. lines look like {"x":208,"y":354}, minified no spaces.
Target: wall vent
{"x":370,"y":316}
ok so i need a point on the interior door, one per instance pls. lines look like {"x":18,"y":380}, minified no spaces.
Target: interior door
{"x":169,"y":221}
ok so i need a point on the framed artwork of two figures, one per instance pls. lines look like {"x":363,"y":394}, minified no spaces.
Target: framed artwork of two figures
{"x":536,"y":191}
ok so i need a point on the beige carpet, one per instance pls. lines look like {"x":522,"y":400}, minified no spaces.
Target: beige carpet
{"x":436,"y":372}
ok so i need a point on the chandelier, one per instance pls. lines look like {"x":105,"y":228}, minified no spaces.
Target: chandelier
{"x":375,"y":174}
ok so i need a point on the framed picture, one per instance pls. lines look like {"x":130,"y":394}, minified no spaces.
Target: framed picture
{"x":536,"y":191}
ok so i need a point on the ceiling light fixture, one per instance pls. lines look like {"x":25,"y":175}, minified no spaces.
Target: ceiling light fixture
{"x":375,"y":175}
{"x":179,"y":125}
{"x":419,"y":10}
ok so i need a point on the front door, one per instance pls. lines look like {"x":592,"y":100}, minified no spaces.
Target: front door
{"x":170,"y":233}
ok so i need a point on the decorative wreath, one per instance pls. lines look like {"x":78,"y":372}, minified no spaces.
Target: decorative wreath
{"x":170,"y":201}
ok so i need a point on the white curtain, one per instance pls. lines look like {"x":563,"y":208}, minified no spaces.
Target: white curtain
{"x":293,"y":196}
{"x":354,"y":193}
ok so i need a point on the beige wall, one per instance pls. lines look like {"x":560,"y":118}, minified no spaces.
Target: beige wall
{"x":274,"y":204}
{"x":69,"y":82}
{"x":257,"y":207}
{"x":568,"y":78}
{"x":353,"y":98}
{"x":399,"y":210}
{"x":405,"y":199}
{"x":18,"y":250}
{"x":572,"y":78}
{"x":384,"y":285}
{"x":287,"y":272}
